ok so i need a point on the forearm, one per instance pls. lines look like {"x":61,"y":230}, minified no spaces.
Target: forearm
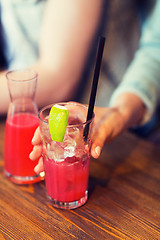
{"x":67,"y":34}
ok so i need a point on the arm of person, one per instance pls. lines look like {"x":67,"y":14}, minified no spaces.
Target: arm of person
{"x":142,"y":77}
{"x":66,"y":35}
{"x":134,"y":101}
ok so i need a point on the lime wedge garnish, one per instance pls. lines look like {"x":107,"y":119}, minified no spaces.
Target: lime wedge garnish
{"x":58,"y":119}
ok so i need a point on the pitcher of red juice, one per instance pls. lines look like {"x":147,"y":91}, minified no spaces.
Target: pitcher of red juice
{"x":21,"y":123}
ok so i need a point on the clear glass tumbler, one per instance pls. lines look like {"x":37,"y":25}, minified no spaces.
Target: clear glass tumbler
{"x":22,"y":120}
{"x":66,"y":164}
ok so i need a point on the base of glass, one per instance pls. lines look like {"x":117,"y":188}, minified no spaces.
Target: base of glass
{"x":68,"y":205}
{"x":26,"y":179}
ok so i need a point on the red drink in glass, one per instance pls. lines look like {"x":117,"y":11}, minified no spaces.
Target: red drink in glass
{"x":21,"y":123}
{"x":72,"y":175}
{"x":18,"y":135}
{"x":66,"y":163}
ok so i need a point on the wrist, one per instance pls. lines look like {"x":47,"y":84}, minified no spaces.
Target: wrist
{"x":131,"y":108}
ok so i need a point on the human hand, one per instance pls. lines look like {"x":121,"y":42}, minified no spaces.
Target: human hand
{"x":109,"y":123}
{"x":37,"y":151}
{"x":128,"y":111}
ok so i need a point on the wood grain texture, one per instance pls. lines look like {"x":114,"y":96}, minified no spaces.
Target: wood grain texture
{"x":124,"y":199}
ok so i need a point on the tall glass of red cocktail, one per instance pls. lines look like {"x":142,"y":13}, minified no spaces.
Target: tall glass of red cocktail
{"x":66,"y":163}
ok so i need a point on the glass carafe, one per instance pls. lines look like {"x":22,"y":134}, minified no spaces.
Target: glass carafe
{"x":21,"y":123}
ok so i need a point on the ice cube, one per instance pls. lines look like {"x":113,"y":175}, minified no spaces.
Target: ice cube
{"x":72,"y":132}
{"x":82,"y":151}
{"x":69,"y":147}
{"x":76,"y":133}
{"x":69,"y":142}
{"x":55,"y":151}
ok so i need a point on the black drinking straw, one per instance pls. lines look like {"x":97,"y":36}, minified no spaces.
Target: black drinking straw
{"x":94,"y":85}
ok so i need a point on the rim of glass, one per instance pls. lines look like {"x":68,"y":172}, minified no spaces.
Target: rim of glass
{"x":27,"y":70}
{"x":67,"y":103}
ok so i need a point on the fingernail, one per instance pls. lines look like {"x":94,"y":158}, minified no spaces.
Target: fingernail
{"x":33,"y":139}
{"x":36,"y":169}
{"x":30,"y":155}
{"x":98,"y":150}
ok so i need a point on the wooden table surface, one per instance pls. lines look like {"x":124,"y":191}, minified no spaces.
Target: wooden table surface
{"x":124,"y":199}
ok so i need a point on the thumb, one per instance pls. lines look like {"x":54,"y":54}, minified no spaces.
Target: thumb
{"x":98,"y":142}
